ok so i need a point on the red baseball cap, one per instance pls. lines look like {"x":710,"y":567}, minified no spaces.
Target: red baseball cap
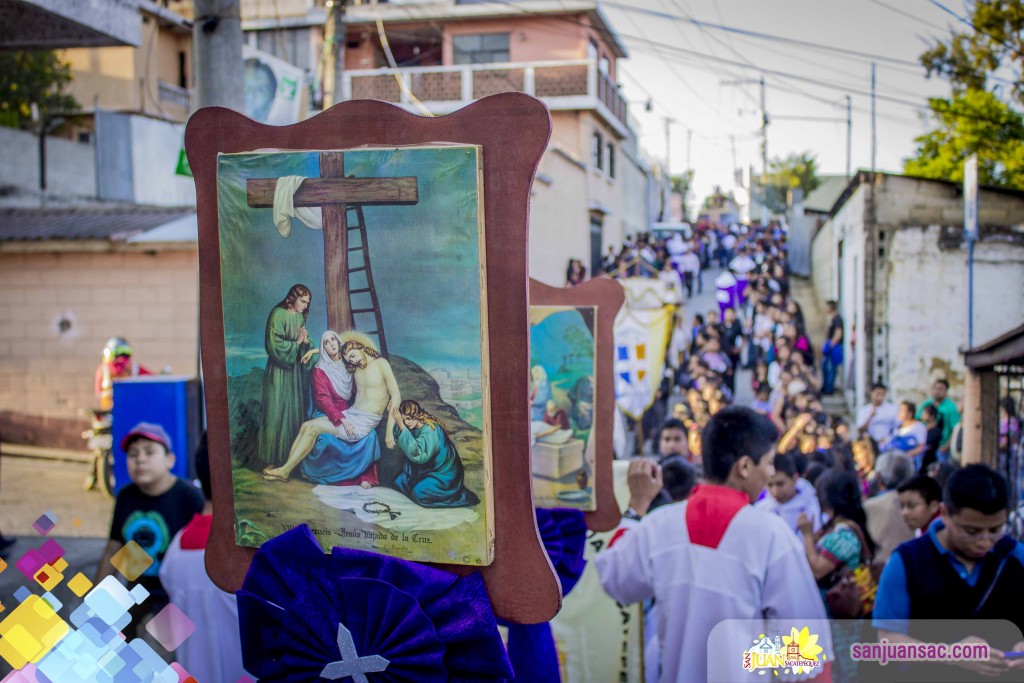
{"x":146,"y":430}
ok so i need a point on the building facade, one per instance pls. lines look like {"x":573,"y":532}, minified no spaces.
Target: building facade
{"x":892,"y":255}
{"x":437,"y":57}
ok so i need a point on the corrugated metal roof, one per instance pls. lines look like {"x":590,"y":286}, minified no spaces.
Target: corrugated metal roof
{"x":114,"y":223}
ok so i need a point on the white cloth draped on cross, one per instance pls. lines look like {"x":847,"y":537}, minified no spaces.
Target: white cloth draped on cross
{"x":285,"y":209}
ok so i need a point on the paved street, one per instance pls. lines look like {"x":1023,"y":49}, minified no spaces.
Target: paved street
{"x":28,"y":488}
{"x":704,"y":302}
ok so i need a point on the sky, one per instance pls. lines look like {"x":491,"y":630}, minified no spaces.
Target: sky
{"x":692,"y":89}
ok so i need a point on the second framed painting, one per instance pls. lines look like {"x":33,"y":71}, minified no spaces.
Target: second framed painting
{"x":571,"y":397}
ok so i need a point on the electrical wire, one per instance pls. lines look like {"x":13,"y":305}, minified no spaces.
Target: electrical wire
{"x":910,"y":15}
{"x":763,"y":36}
{"x":401,"y":82}
{"x":977,"y":28}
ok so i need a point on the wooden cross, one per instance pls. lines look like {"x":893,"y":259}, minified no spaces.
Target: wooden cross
{"x":333,"y":193}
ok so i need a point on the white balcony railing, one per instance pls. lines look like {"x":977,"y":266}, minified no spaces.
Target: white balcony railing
{"x":443,"y":89}
{"x":173,"y":94}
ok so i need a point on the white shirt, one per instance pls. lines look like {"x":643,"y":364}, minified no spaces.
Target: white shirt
{"x":805,"y":501}
{"x":689,"y":263}
{"x":883,"y":424}
{"x":214,"y":652}
{"x":758,"y":571}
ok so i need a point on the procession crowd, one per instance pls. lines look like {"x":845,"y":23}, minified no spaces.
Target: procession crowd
{"x":873,"y":520}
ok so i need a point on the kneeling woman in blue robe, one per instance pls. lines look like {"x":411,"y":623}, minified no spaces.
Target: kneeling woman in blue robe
{"x":432,"y":473}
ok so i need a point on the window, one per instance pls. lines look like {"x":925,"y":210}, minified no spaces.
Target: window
{"x":182,"y":73}
{"x":611,"y":159}
{"x":598,"y":151}
{"x":481,"y":48}
{"x":592,"y":51}
{"x":605,"y":65}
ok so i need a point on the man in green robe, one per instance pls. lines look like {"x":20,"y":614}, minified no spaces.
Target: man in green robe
{"x":285,"y":380}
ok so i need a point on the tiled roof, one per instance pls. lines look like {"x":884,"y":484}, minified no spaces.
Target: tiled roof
{"x":114,"y":223}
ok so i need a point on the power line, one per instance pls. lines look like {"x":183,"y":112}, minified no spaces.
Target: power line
{"x":763,"y":36}
{"x":977,"y":28}
{"x":897,"y":10}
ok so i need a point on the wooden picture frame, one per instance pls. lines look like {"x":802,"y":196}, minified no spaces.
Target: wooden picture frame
{"x":513,"y":131}
{"x":607,"y":296}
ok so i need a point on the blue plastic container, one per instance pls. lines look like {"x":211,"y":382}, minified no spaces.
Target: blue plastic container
{"x":172,"y":402}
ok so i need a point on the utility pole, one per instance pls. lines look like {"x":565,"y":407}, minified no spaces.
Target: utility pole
{"x":668,"y":145}
{"x":338,"y":39}
{"x":849,"y":134}
{"x":764,"y":155}
{"x":689,"y":146}
{"x":217,"y":41}
{"x":732,"y":142}
{"x":666,"y":190}
{"x":874,"y":126}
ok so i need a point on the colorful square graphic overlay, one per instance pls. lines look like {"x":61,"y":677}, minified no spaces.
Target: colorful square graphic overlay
{"x":131,"y":561}
{"x":170,"y":627}
{"x":30,"y":631}
{"x":45,"y":523}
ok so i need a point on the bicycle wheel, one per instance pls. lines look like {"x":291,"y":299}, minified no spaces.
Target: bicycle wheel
{"x":106,"y":473}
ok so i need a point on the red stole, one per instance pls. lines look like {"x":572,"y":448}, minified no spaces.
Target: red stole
{"x":196,"y":533}
{"x":709,"y":511}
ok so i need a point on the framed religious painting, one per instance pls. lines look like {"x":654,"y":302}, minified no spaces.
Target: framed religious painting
{"x":351,"y":336}
{"x":356,"y":349}
{"x":571,"y":399}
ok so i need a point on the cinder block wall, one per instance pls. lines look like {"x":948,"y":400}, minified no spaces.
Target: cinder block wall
{"x":47,"y":368}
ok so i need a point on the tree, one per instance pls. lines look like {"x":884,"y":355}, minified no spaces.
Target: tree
{"x":33,"y":77}
{"x":978,"y":117}
{"x":973,"y":122}
{"x":993,"y":39}
{"x":681,"y":185}
{"x":795,"y":171}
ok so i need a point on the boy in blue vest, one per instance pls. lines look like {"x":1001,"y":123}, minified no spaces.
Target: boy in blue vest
{"x":964,"y":570}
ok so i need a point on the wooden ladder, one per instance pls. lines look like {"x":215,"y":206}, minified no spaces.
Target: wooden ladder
{"x":363,"y":248}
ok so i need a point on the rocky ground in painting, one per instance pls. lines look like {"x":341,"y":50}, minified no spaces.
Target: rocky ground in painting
{"x":265,"y":509}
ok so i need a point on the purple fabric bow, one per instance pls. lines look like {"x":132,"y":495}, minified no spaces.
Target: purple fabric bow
{"x":564,"y":534}
{"x":531,"y":647}
{"x":429,"y":624}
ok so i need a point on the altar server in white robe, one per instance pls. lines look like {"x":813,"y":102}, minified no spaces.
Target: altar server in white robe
{"x":714,"y":557}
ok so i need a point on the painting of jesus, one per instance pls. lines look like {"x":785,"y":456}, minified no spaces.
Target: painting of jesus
{"x":356,"y":408}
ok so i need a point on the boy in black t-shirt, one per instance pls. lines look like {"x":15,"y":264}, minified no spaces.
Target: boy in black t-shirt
{"x":150,"y":510}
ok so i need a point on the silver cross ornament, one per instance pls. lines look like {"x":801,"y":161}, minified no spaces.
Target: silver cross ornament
{"x":351,"y":664}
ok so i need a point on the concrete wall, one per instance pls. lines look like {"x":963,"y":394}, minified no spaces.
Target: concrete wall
{"x":70,"y":165}
{"x":126,"y":78}
{"x":137,"y":157}
{"x":633,"y":183}
{"x":570,"y":189}
{"x":46,"y":374}
{"x":927,"y":299}
{"x":914,"y":201}
{"x":155,"y":147}
{"x":559,"y":222}
{"x":921,"y":287}
{"x":843,"y":281}
{"x":823,"y":262}
{"x":531,"y":39}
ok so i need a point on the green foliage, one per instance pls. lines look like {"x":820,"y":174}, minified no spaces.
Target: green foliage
{"x":28,"y":77}
{"x":681,"y":185}
{"x":994,"y":38}
{"x":578,"y":340}
{"x":974,"y":122}
{"x":795,"y":171}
